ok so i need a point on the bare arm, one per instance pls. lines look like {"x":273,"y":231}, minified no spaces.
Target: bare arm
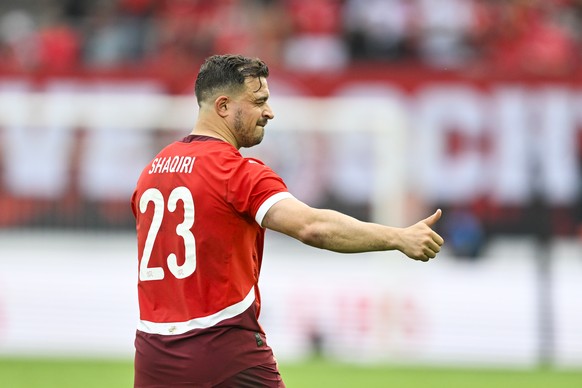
{"x":331,"y":230}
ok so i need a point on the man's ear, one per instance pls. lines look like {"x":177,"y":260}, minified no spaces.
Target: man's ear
{"x":221,"y":105}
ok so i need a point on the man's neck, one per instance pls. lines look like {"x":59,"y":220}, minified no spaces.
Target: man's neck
{"x":211,"y":130}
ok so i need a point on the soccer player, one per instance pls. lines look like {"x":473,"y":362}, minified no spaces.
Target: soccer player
{"x":201,"y":212}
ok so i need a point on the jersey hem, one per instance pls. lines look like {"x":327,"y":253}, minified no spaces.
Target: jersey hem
{"x":175,"y":328}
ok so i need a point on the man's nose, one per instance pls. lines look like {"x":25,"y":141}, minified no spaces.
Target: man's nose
{"x":269,"y":113}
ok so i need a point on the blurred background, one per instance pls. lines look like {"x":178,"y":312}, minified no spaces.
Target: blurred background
{"x":385,"y":110}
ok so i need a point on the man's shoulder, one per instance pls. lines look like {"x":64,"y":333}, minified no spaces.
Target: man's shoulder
{"x":252,"y":161}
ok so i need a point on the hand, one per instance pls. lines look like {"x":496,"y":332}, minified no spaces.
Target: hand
{"x":419,"y":241}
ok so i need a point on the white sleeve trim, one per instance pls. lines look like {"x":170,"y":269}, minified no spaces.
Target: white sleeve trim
{"x":264,"y":208}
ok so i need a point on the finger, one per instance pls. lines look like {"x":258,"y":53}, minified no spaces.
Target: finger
{"x":423,"y":258}
{"x":434,"y":247}
{"x":438,"y":239}
{"x":430,"y":253}
{"x":432,"y":219}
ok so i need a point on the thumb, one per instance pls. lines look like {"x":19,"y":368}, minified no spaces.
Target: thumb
{"x":432,"y":219}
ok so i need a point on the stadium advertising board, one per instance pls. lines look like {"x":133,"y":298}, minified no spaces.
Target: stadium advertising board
{"x":59,"y":298}
{"x":499,"y":146}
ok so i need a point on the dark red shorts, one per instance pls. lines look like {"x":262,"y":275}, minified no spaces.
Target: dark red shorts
{"x":216,"y":357}
{"x":260,"y":376}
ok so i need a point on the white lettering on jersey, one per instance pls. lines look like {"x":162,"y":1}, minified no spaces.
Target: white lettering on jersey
{"x":187,"y":165}
{"x":172,"y":164}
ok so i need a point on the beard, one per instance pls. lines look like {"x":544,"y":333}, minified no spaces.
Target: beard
{"x":247,"y":137}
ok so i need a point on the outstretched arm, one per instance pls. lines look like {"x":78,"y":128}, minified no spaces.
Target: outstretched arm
{"x":334,"y":231}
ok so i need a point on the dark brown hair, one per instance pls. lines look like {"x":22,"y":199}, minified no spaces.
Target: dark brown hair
{"x":226,"y":72}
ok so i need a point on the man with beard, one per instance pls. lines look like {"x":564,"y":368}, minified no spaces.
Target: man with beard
{"x":201,"y":212}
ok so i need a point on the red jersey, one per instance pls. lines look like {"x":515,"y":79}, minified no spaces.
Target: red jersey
{"x":199,"y":207}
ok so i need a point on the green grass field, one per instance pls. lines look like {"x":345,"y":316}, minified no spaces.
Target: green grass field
{"x":55,"y":373}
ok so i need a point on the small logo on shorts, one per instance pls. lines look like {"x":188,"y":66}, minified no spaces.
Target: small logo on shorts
{"x":259,"y":339}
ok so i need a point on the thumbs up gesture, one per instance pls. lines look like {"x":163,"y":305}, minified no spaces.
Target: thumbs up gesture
{"x":420,"y":241}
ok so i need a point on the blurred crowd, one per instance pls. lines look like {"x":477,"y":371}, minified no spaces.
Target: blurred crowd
{"x":527,"y":36}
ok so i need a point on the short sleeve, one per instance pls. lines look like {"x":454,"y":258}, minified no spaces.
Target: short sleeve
{"x":253,"y":188}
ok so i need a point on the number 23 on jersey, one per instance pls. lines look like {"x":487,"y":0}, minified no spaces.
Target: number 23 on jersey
{"x":183,"y":230}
